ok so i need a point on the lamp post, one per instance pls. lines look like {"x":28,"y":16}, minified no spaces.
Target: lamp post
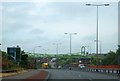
{"x":35,"y":58}
{"x":90,"y":49}
{"x":0,"y":47}
{"x":45,"y":51}
{"x":97,"y":5}
{"x":57,"y":46}
{"x":35,"y":48}
{"x":100,"y":48}
{"x":70,"y":39}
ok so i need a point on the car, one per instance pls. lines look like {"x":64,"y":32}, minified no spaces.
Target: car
{"x":70,"y":68}
{"x":81,"y":66}
{"x":59,"y":67}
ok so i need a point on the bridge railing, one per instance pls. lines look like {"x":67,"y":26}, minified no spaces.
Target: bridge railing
{"x":114,"y":69}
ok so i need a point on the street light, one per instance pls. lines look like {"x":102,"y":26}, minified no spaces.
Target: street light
{"x":35,"y":47}
{"x":97,"y":5}
{"x":57,"y":44}
{"x":70,"y":39}
{"x":36,"y":58}
{"x":45,"y":51}
{"x":0,"y":45}
{"x":99,"y":46}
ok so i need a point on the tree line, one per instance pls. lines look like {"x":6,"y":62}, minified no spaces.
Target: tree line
{"x":27,"y":62}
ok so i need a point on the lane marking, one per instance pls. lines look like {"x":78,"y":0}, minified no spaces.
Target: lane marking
{"x":79,"y":75}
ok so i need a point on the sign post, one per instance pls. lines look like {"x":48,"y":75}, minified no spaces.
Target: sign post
{"x":14,"y":53}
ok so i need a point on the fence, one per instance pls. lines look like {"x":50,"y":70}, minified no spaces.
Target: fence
{"x":114,"y":69}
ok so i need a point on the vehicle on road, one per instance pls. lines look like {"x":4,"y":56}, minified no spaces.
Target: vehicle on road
{"x":45,"y":65}
{"x":59,"y":67}
{"x":81,"y":66}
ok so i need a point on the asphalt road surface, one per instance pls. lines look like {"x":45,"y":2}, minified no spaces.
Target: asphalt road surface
{"x":78,"y":75}
{"x":61,"y":74}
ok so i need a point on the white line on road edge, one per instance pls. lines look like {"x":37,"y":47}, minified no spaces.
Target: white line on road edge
{"x":47,"y":77}
{"x":79,"y":75}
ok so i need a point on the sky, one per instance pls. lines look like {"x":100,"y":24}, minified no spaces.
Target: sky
{"x":33,"y":24}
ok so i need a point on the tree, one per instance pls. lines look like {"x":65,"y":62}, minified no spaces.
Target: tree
{"x":110,"y":59}
{"x":93,"y":60}
{"x":118,"y":51}
{"x":24,"y":60}
{"x":7,"y":64}
{"x":118,"y":55}
{"x":4,"y":54}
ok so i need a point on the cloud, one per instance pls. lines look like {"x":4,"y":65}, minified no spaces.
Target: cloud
{"x":43,"y":1}
{"x":89,"y":38}
{"x":15,"y":27}
{"x":0,"y":22}
{"x":36,"y":31}
{"x":30,"y":24}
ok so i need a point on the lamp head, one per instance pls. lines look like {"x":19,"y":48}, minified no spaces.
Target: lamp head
{"x":75,"y":33}
{"x":65,"y":33}
{"x":88,"y":4}
{"x":106,"y":4}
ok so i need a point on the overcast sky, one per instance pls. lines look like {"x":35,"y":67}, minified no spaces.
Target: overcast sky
{"x":31,"y":24}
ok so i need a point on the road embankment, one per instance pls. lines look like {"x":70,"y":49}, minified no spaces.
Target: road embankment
{"x":30,"y":75}
{"x":11,"y":72}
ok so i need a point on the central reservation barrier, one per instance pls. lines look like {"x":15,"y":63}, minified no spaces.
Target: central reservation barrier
{"x":105,"y":69}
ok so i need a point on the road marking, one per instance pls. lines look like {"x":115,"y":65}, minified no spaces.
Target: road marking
{"x":79,"y":75}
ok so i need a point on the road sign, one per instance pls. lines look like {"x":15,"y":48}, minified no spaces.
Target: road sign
{"x":14,"y":53}
{"x":18,"y":54}
{"x":11,"y":53}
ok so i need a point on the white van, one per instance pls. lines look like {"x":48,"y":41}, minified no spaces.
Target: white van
{"x":81,"y":66}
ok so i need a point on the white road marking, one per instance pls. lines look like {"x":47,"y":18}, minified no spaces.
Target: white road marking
{"x":79,"y":75}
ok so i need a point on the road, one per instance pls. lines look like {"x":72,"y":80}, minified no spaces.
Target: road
{"x":80,"y":75}
{"x":61,"y":74}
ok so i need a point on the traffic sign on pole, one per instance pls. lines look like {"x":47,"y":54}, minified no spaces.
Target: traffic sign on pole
{"x":14,"y":53}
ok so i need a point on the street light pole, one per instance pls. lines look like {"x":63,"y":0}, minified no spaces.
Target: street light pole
{"x":97,"y":37}
{"x":70,"y":39}
{"x":90,"y":49}
{"x":35,"y":47}
{"x":70,"y":43}
{"x":35,"y":58}
{"x":99,"y":46}
{"x":45,"y":51}
{"x":97,"y":5}
{"x":57,"y":46}
{"x":0,"y":47}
